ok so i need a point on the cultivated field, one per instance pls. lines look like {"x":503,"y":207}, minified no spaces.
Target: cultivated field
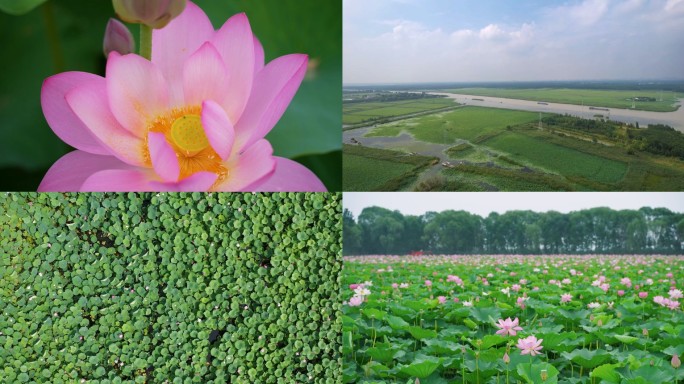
{"x":371,"y":169}
{"x":590,"y":97}
{"x":464,"y":123}
{"x":513,"y":319}
{"x":353,"y":113}
{"x":497,"y":149}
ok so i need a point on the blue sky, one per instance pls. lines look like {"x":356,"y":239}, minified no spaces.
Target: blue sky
{"x":503,"y":40}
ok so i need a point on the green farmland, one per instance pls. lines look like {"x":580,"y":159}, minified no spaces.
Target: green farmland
{"x":591,"y":97}
{"x":372,"y":169}
{"x":464,"y":123}
{"x":495,"y":149}
{"x":354,"y":113}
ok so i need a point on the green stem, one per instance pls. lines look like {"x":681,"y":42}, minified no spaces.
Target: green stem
{"x":53,"y":37}
{"x":146,"y":41}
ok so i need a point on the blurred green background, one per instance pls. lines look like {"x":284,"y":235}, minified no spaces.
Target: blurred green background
{"x":66,"y":35}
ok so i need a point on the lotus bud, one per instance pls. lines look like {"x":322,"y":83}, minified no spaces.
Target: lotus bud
{"x":506,"y":358}
{"x":675,"y":361}
{"x":154,"y":13}
{"x":644,"y":332}
{"x":417,"y":381}
{"x":118,"y":39}
{"x":600,"y":323}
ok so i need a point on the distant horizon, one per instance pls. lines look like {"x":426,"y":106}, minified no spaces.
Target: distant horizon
{"x":648,"y":81}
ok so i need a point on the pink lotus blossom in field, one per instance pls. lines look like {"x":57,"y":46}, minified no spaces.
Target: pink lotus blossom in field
{"x":456,"y":300}
{"x":566,"y":281}
{"x":515,"y":287}
{"x":566,"y":298}
{"x":354,"y":286}
{"x":467,"y":303}
{"x":395,"y":285}
{"x":676,"y":363}
{"x":620,"y":292}
{"x":454,"y":279}
{"x":626,"y":282}
{"x":428,"y":283}
{"x":659,"y":300}
{"x":593,"y":305}
{"x":643,"y":295}
{"x":530,"y":345}
{"x":508,"y":327}
{"x":675,"y":294}
{"x":355,"y":301}
{"x":442,"y":299}
{"x":605,"y":287}
{"x":362,"y":291}
{"x":521,"y":302}
{"x":649,"y":281}
{"x":506,"y":358}
{"x":193,"y":118}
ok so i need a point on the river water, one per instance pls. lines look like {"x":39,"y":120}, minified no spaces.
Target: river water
{"x":674,"y":119}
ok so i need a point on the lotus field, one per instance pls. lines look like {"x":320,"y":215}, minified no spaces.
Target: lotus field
{"x":513,"y":319}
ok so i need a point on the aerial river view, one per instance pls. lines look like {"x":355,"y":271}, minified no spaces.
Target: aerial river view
{"x":674,"y":119}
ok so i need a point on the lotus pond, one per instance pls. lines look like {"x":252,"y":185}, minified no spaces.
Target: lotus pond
{"x":513,"y":319}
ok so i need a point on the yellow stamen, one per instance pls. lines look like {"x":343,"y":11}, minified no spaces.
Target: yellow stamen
{"x":183,"y":130}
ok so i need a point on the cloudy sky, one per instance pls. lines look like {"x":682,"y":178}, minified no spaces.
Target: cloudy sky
{"x":417,"y":203}
{"x":404,"y":41}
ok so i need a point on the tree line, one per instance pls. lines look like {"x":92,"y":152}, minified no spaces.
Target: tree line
{"x":658,"y":139}
{"x":592,"y":231}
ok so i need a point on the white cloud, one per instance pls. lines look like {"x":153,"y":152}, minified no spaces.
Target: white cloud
{"x":491,"y":32}
{"x":674,"y":6}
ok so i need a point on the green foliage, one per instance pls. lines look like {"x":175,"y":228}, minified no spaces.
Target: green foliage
{"x":19,"y":7}
{"x":123,"y":288}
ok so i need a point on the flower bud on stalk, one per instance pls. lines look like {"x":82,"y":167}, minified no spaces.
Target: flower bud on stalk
{"x":676,"y":363}
{"x":154,"y":13}
{"x":118,"y":38}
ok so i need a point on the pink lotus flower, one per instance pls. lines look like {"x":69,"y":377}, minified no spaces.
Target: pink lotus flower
{"x":566,"y":298}
{"x":643,"y":295}
{"x":192,"y":119}
{"x":620,"y":292}
{"x":675,"y":294}
{"x":530,"y":345}
{"x":508,"y":327}
{"x":428,"y":283}
{"x":395,"y":285}
{"x":442,"y":299}
{"x":355,"y":301}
